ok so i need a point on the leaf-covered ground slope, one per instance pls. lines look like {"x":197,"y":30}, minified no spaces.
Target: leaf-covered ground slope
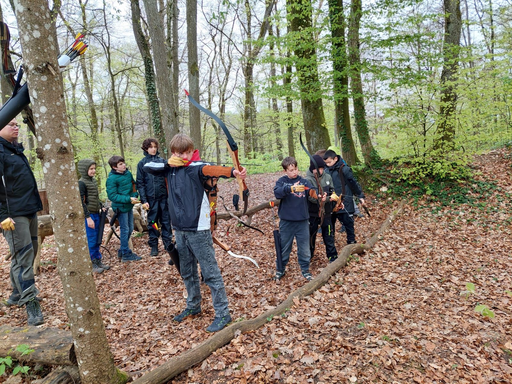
{"x":403,"y":312}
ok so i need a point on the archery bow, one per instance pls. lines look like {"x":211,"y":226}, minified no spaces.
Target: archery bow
{"x":321,"y":203}
{"x":232,"y":148}
{"x":20,"y":98}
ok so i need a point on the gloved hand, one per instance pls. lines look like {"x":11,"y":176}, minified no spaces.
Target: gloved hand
{"x":334,"y":197}
{"x":313,"y":194}
{"x":8,"y":224}
{"x":297,"y":188}
{"x":134,"y":200}
{"x":176,"y":161}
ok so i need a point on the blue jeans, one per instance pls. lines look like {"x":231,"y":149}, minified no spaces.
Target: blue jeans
{"x":92,"y":236}
{"x":126,"y":228}
{"x":299,"y":230}
{"x":196,"y":247}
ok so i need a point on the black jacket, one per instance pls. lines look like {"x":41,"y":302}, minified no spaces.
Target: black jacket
{"x":22,"y":197}
{"x":150,"y":187}
{"x":293,"y":205}
{"x":345,"y":184}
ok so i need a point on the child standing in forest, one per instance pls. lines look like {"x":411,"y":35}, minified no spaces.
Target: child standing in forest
{"x":92,"y":207}
{"x":315,"y":176}
{"x":190,"y":217}
{"x":153,"y":195}
{"x":293,"y":217}
{"x":346,"y":185}
{"x":121,"y":190}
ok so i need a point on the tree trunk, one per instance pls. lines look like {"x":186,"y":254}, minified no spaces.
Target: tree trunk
{"x":149,"y":73}
{"x":370,"y":155}
{"x":452,"y":31}
{"x":299,"y":18}
{"x":340,"y":80}
{"x":163,"y":76}
{"x":96,"y":362}
{"x":193,"y":73}
{"x":276,"y":126}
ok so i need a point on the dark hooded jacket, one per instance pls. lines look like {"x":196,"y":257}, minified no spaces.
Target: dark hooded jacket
{"x":345,"y":184}
{"x":150,"y":187}
{"x":22,"y":196}
{"x":88,"y":188}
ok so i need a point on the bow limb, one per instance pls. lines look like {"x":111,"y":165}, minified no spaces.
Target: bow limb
{"x":232,"y":148}
{"x":227,"y":248}
{"x":321,"y":203}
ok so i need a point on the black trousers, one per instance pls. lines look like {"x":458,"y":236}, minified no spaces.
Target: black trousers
{"x":159,"y":213}
{"x":327,"y":235}
{"x":348,"y":222}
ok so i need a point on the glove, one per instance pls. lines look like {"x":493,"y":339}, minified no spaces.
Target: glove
{"x":334,"y":197}
{"x":312,"y":193}
{"x":297,"y":188}
{"x":8,"y":224}
{"x":176,"y":161}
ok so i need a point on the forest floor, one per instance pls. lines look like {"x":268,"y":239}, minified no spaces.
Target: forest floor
{"x":403,"y":312}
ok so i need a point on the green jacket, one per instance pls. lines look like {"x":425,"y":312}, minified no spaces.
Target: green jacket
{"x":120,"y":188}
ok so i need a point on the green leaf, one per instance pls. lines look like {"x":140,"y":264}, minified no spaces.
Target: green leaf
{"x":470,"y":287}
{"x":24,"y":349}
{"x":508,"y":293}
{"x":2,"y":369}
{"x":480,"y":308}
{"x":16,"y":370}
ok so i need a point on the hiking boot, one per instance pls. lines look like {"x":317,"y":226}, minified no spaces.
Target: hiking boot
{"x":130,"y":257}
{"x":154,"y":250}
{"x":308,"y":276}
{"x":219,"y":323}
{"x":279,"y":275}
{"x":13,"y":299}
{"x":186,"y":313}
{"x":95,"y":266}
{"x":34,"y":314}
{"x":104,"y":266}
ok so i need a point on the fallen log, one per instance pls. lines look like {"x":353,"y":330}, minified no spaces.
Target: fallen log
{"x":62,"y":375}
{"x":51,"y":346}
{"x":250,"y":212}
{"x":181,"y":363}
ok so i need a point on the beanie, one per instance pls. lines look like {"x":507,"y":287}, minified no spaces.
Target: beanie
{"x":319,"y":161}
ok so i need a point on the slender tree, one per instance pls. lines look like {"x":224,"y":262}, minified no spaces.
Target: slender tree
{"x":370,"y":155}
{"x":342,"y":126}
{"x":96,"y":363}
{"x":193,"y":72}
{"x":149,"y":73}
{"x":299,"y":18}
{"x":451,"y":48}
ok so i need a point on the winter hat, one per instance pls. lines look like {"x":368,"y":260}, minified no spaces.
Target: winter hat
{"x":319,"y":161}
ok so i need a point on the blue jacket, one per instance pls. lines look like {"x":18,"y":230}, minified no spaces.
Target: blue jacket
{"x":293,"y":206}
{"x":342,"y":175}
{"x":22,"y":195}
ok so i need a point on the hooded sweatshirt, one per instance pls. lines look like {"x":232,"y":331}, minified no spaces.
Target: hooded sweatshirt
{"x":88,"y":188}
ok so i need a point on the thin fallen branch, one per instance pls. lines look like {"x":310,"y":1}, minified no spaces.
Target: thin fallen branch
{"x":181,"y":363}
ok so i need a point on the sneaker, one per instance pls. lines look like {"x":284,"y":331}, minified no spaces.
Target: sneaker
{"x":34,"y":314}
{"x":279,"y":275}
{"x":104,"y":266}
{"x":130,"y":257}
{"x":186,"y":313}
{"x":308,"y":276}
{"x":332,"y":259}
{"x":154,"y":250}
{"x":219,"y":323}
{"x":95,"y":266}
